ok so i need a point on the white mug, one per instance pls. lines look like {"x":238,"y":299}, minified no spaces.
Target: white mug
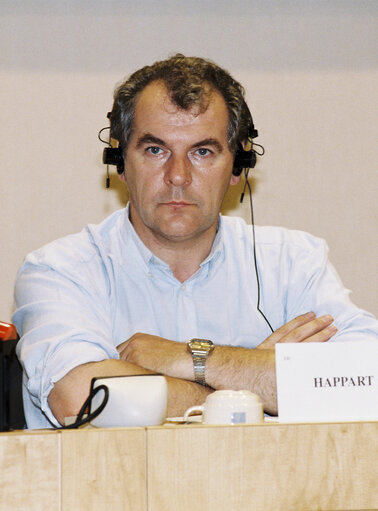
{"x":229,"y":407}
{"x":139,"y":400}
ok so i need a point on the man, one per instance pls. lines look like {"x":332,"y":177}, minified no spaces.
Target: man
{"x":126,"y":296}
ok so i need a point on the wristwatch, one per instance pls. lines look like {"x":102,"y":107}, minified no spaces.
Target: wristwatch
{"x":200,"y":350}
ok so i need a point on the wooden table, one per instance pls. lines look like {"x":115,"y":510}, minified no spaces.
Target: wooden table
{"x":327,"y":466}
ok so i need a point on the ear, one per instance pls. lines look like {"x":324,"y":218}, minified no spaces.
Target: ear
{"x":122,"y":177}
{"x":247,"y":145}
{"x":234,"y":180}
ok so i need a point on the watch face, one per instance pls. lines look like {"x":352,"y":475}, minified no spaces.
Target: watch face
{"x":200,"y":344}
{"x":200,"y":349}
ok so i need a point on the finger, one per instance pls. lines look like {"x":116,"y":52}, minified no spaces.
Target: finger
{"x":322,"y":336}
{"x":308,"y":330}
{"x":122,"y":346}
{"x":285,"y":329}
{"x":134,"y":337}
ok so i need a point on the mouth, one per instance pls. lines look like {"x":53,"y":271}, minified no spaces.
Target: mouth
{"x":177,"y":204}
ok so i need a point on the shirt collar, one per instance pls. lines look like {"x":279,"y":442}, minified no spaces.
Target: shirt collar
{"x":129,"y":235}
{"x":217,"y":248}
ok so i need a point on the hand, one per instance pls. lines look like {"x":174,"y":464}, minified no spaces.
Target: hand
{"x":304,"y":328}
{"x":158,"y":355}
{"x":135,"y":346}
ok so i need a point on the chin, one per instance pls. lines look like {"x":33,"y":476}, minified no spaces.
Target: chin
{"x":179,"y":231}
{"x":177,"y":234}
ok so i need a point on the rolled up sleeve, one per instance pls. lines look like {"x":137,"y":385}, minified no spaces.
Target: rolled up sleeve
{"x":63,"y":320}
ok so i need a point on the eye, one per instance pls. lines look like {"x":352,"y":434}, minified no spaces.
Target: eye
{"x":154,"y":150}
{"x":202,"y":151}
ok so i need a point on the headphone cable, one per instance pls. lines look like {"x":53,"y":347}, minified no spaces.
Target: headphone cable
{"x":246,"y":184}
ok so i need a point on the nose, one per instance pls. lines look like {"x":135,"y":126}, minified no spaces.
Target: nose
{"x":178,"y":171}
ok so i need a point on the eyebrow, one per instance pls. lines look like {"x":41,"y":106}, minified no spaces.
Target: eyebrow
{"x":209,"y":141}
{"x":148,"y":138}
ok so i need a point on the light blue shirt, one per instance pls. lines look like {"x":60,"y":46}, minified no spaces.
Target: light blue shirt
{"x":80,"y":296}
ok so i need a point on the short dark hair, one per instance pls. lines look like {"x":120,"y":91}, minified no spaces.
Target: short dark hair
{"x":187,"y":80}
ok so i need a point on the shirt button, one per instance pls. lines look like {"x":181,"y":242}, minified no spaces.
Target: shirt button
{"x":149,"y":274}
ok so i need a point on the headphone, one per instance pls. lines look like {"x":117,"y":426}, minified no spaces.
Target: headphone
{"x":243,"y":159}
{"x":114,"y":156}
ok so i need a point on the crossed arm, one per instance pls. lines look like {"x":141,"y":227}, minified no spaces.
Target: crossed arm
{"x":227,"y":367}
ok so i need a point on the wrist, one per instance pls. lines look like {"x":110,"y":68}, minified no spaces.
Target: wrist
{"x":200,"y":350}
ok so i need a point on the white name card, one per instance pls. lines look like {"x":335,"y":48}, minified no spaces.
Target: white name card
{"x":329,"y":381}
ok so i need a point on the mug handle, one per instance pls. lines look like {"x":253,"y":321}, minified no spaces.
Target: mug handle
{"x":192,"y":409}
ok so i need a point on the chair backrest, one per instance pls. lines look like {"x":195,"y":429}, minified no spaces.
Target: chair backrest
{"x":11,"y":406}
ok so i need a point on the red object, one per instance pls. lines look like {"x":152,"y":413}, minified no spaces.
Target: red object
{"x":7,"y":331}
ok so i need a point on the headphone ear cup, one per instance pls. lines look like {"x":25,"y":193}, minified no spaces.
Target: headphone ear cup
{"x":120,"y":168}
{"x":114,"y":156}
{"x":243,"y":160}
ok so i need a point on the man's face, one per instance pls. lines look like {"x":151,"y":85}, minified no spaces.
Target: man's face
{"x":178,"y":166}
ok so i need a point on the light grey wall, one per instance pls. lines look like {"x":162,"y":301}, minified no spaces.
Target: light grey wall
{"x":310,"y":71}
